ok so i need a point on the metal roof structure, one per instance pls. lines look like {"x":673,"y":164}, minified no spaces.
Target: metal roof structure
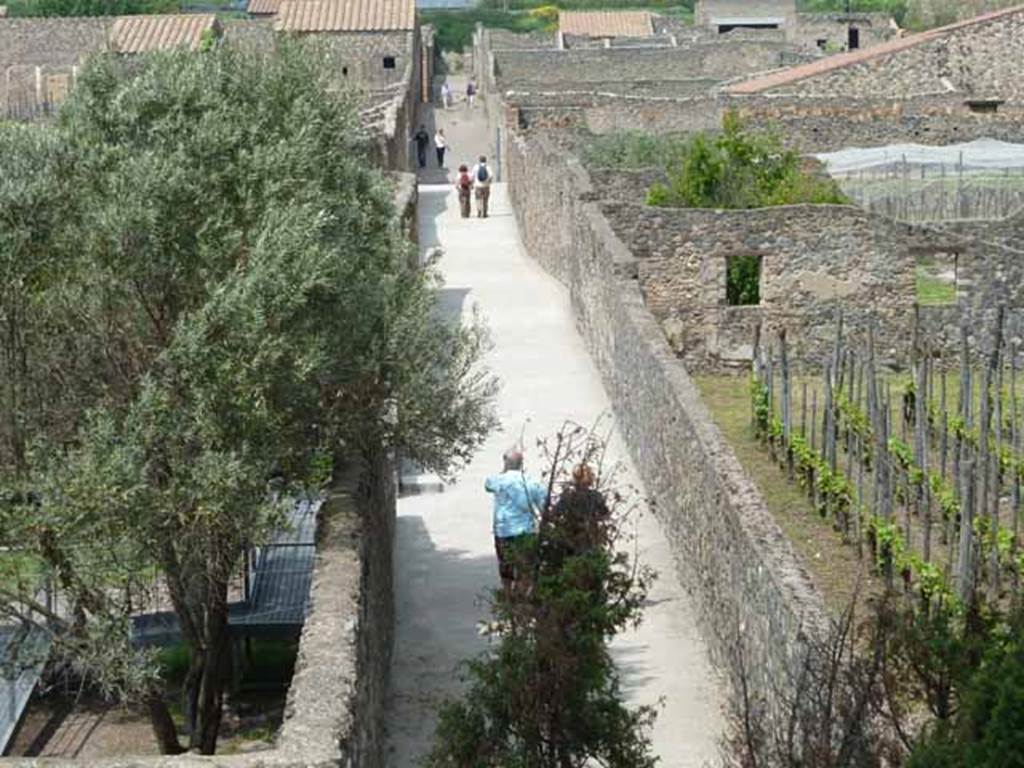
{"x":606,"y":23}
{"x":346,"y":16}
{"x":852,"y":58}
{"x":144,"y":34}
{"x":263,"y":7}
{"x":23,"y":651}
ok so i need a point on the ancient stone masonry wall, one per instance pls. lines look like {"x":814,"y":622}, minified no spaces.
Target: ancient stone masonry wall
{"x":334,"y":712}
{"x":715,"y":59}
{"x":814,"y":259}
{"x":833,"y":28}
{"x":730,"y":552}
{"x":983,"y":60}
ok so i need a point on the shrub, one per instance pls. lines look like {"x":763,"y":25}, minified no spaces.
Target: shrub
{"x":739,"y":168}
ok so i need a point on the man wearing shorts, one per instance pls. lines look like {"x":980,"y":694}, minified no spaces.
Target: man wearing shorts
{"x":518,"y":502}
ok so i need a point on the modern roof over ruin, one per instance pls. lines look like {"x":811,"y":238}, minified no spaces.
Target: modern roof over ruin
{"x":144,"y":34}
{"x":606,"y":23}
{"x":263,"y":7}
{"x":853,"y":58}
{"x":346,"y":16}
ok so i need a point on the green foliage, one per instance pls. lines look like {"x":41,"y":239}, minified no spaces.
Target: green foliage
{"x":547,"y":694}
{"x":740,"y":168}
{"x":631,"y":150}
{"x":210,"y":291}
{"x":743,"y":280}
{"x":897,"y":8}
{"x":89,"y":7}
{"x":454,"y":28}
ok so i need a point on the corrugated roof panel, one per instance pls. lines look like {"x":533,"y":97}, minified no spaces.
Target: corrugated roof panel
{"x":345,"y":15}
{"x":606,"y":23}
{"x":142,"y":34}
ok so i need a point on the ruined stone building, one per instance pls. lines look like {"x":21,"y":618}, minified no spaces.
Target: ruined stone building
{"x":376,"y":45}
{"x":825,"y":31}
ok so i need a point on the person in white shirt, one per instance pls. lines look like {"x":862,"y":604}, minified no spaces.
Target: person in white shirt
{"x":446,"y":94}
{"x":440,"y":145}
{"x":482,"y":178}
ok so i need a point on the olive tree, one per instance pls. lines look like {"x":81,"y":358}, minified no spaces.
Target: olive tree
{"x":243,"y":280}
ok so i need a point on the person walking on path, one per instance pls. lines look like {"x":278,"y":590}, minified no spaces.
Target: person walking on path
{"x":482,"y":182}
{"x":470,"y":93}
{"x":440,"y":145}
{"x":464,"y":186}
{"x":517,"y":503}
{"x":446,"y":94}
{"x":422,"y":139}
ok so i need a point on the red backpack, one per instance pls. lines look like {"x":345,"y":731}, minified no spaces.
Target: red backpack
{"x":465,"y":182}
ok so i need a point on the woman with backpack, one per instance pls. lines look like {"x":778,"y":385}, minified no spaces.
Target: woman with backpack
{"x":464,"y":185}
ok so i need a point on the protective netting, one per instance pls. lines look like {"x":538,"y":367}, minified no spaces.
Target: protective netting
{"x":979,"y":154}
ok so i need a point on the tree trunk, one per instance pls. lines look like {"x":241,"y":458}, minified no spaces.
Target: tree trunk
{"x":216,"y":647}
{"x":163,"y":726}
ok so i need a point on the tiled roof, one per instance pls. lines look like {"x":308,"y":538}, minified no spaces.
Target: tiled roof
{"x":142,"y":34}
{"x":839,"y":61}
{"x":263,"y":7}
{"x":346,"y":15}
{"x":606,"y":23}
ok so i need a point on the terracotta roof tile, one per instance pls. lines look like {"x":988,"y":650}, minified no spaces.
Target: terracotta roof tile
{"x":841,"y":60}
{"x":263,"y":7}
{"x":606,"y":23}
{"x":142,"y":34}
{"x":346,"y":15}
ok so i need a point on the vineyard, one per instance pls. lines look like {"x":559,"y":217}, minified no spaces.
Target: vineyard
{"x":921,"y":474}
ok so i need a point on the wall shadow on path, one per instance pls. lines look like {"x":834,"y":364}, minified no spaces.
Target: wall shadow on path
{"x":440,"y":600}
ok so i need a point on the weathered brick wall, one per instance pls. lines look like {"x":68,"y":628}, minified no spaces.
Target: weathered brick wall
{"x":983,"y":60}
{"x":729,"y":551}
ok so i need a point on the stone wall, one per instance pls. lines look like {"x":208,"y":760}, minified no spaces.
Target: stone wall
{"x":705,"y":11}
{"x":813,"y":258}
{"x":834,"y":28}
{"x":729,"y":551}
{"x":983,"y":60}
{"x":717,"y":59}
{"x":334,"y":712}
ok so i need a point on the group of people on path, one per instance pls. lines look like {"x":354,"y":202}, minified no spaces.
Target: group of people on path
{"x":468,"y":182}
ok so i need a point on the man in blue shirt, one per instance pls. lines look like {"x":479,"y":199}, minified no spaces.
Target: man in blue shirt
{"x":518,"y":502}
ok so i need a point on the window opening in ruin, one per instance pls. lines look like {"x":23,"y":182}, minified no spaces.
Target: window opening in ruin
{"x":344,"y":71}
{"x":389,"y":62}
{"x":984,"y":106}
{"x":723,"y":28}
{"x":937,"y":278}
{"x":742,"y":280}
{"x":822,"y":43}
{"x":853,"y":39}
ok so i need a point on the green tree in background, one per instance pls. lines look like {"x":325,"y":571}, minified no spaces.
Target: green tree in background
{"x":739,"y":168}
{"x":89,"y":7}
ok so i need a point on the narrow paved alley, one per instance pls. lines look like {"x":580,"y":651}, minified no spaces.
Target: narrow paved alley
{"x":444,"y":558}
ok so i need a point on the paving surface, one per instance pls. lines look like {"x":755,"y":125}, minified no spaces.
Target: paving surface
{"x":444,"y":559}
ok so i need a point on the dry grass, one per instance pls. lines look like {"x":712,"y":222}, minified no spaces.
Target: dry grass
{"x":834,"y":567}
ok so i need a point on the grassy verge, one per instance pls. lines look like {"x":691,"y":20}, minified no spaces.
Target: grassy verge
{"x":834,"y":567}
